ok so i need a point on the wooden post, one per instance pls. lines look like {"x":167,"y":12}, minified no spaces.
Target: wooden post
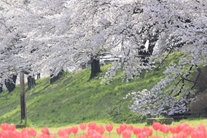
{"x":22,"y":98}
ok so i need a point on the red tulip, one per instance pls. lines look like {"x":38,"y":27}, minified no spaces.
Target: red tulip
{"x":195,"y":134}
{"x":92,"y":125}
{"x":156,"y":125}
{"x":90,"y":132}
{"x":62,"y":132}
{"x":187,"y":130}
{"x":202,"y":128}
{"x":183,"y":126}
{"x":82,"y":126}
{"x":24,"y":132}
{"x":118,"y":131}
{"x":126,"y":133}
{"x":199,"y":132}
{"x":16,"y":134}
{"x":68,"y":130}
{"x":174,"y":129}
{"x":42,"y":136}
{"x":5,"y":134}
{"x":147,"y":131}
{"x":45,"y":130}
{"x":31,"y":132}
{"x":4,"y":126}
{"x":100,"y":129}
{"x":96,"y":135}
{"x":164,"y":128}
{"x":136,"y":130}
{"x":130,"y":127}
{"x":109,"y":127}
{"x":141,"y":135}
{"x":74,"y":129}
{"x":11,"y":127}
{"x":123,"y":127}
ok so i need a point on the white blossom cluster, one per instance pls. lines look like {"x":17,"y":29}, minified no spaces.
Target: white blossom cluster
{"x":157,"y":102}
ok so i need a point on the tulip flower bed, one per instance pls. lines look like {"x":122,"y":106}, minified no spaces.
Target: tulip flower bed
{"x":93,"y":130}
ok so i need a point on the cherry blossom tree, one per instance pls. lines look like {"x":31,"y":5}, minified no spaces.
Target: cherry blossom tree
{"x":80,"y":33}
{"x":22,"y":24}
{"x":9,"y":37}
{"x":87,"y":35}
{"x":181,"y":24}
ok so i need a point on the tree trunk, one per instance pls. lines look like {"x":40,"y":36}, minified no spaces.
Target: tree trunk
{"x":95,"y":67}
{"x":1,"y":88}
{"x":38,"y":76}
{"x":144,"y":56}
{"x":55,"y":78}
{"x":11,"y":84}
{"x":31,"y":82}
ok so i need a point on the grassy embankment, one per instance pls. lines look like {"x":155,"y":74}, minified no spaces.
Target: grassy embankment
{"x":73,"y":99}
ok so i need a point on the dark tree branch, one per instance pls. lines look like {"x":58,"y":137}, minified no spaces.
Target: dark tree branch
{"x":171,"y":48}
{"x":197,"y":77}
{"x":175,"y":87}
{"x":183,"y":81}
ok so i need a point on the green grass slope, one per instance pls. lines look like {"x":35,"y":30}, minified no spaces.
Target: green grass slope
{"x":74,"y":99}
